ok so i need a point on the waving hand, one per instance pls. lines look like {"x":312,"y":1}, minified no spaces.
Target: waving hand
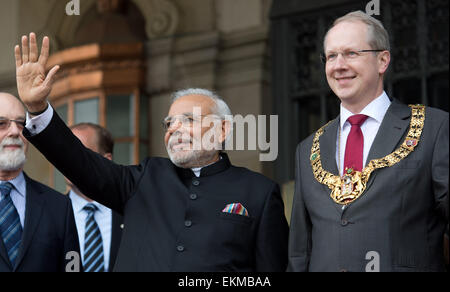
{"x":33,"y":84}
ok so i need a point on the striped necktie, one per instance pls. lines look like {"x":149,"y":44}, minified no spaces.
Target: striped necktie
{"x":93,"y":243}
{"x":10,"y":227}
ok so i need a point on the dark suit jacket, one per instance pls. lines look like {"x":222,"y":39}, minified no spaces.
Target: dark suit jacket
{"x":116,"y":235}
{"x":49,"y":232}
{"x":401,"y":215}
{"x":173,"y":220}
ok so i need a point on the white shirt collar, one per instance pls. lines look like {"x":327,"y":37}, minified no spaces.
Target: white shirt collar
{"x":375,"y":110}
{"x":197,"y":170}
{"x":19,"y":184}
{"x":78,"y":203}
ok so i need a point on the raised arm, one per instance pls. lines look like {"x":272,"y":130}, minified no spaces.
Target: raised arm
{"x":102,"y":180}
{"x":33,"y":84}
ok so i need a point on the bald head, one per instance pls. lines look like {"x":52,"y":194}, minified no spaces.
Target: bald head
{"x":10,"y":104}
{"x":6,"y":95}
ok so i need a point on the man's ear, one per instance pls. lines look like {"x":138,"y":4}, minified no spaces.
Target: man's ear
{"x":108,"y":156}
{"x":384,"y":59}
{"x":225,"y":130}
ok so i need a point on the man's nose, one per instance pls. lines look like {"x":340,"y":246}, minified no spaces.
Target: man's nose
{"x":14,"y":130}
{"x":340,"y":62}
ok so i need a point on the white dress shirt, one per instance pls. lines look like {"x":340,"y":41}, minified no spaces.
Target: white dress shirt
{"x":196,"y":171}
{"x":376,"y":110}
{"x":37,"y":124}
{"x":18,"y":195}
{"x":103,"y":217}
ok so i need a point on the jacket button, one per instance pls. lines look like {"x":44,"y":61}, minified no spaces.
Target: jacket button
{"x":195,"y":182}
{"x":193,"y":196}
{"x":188,"y":223}
{"x":344,"y":222}
{"x":180,"y":248}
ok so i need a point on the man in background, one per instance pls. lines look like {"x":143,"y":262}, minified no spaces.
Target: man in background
{"x":99,"y":228}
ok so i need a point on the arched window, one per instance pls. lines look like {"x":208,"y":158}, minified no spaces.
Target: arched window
{"x":101,"y":80}
{"x":102,"y":84}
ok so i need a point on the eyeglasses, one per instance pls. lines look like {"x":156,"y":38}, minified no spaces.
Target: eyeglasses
{"x":185,"y":120}
{"x":347,"y":55}
{"x":6,"y":123}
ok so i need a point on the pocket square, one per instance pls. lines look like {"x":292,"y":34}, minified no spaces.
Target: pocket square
{"x":236,"y":208}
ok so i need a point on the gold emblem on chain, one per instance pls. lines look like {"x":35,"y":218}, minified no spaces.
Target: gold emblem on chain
{"x":352,"y":184}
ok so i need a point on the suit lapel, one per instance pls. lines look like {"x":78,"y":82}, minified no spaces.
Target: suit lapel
{"x":390,"y":134}
{"x":328,"y":147}
{"x":391,"y":131}
{"x":3,"y":253}
{"x":116,"y":232}
{"x":328,"y":142}
{"x":33,"y":211}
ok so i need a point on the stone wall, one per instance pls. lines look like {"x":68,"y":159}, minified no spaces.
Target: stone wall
{"x":216,"y":44}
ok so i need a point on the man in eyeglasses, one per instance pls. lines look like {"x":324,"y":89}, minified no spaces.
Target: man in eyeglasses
{"x":371,"y":188}
{"x":192,"y":212}
{"x":37,"y":227}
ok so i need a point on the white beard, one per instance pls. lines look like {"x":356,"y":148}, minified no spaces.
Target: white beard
{"x":188,"y":158}
{"x":191,"y":158}
{"x":12,"y":160}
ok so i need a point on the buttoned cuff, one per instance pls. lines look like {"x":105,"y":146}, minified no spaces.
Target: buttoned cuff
{"x":38,"y":123}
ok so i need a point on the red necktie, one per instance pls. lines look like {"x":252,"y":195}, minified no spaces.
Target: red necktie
{"x":355,"y":144}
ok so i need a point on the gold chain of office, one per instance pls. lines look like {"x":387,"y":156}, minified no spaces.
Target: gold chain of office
{"x":352,"y":184}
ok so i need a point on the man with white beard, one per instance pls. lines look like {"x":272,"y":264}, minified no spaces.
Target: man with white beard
{"x":37,"y":228}
{"x":14,"y":158}
{"x":192,"y":212}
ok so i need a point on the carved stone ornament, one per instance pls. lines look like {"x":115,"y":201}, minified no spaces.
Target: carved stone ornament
{"x":161,"y":17}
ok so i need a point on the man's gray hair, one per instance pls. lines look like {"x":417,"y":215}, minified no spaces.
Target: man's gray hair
{"x":377,"y":34}
{"x":221,"y":108}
